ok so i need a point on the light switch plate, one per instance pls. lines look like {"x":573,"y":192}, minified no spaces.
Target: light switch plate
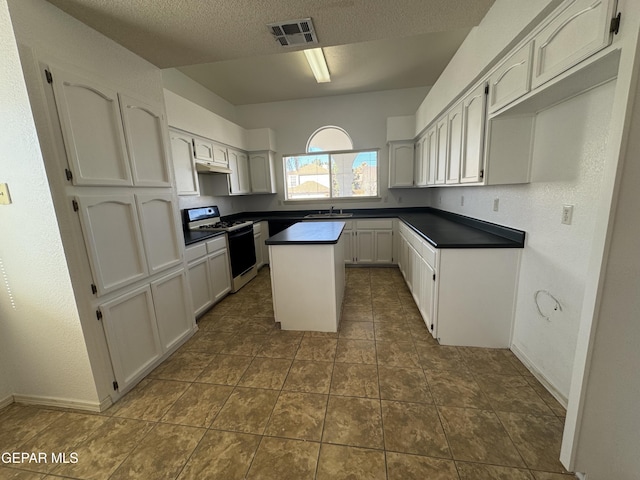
{"x":5,"y":198}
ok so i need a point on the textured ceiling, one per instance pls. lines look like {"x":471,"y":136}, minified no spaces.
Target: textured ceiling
{"x":407,"y":62}
{"x":180,"y":33}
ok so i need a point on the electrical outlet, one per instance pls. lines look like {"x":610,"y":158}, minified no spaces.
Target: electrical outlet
{"x":439,"y":199}
{"x":462,"y":200}
{"x":567,"y":214}
{"x":496,"y":204}
{"x":399,"y":199}
{"x":384,"y":199}
{"x":5,"y":198}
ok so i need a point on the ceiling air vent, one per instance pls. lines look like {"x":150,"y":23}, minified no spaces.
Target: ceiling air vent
{"x":293,"y":32}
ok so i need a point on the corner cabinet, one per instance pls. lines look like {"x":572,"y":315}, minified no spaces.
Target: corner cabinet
{"x":401,"y":167}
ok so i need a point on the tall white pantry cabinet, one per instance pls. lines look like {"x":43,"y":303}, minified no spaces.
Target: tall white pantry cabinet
{"x":120,"y":185}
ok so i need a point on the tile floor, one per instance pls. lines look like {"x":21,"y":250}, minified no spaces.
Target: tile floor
{"x":243,"y":399}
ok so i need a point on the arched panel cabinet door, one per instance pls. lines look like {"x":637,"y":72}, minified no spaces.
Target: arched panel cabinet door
{"x":184,"y":164}
{"x":580,"y":30}
{"x":111,"y":231}
{"x":145,"y":136}
{"x":131,"y":330}
{"x":92,"y":129}
{"x":162,"y":239}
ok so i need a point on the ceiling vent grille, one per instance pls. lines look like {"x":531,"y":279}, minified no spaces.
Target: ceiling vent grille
{"x":294,"y":32}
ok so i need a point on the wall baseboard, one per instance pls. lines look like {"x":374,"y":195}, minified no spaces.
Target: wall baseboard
{"x":60,"y":403}
{"x":8,"y":400}
{"x":539,"y":375}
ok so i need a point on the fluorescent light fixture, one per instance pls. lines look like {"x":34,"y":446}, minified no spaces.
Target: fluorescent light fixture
{"x":318,"y":64}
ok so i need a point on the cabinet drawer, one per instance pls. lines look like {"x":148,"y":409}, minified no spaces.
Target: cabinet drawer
{"x":348,"y":225}
{"x":257,"y":229}
{"x":375,"y":224}
{"x":216,"y":244}
{"x":512,"y":79}
{"x":194,"y":252}
{"x":429,"y":253}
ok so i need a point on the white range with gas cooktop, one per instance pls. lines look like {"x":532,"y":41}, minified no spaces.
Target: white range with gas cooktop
{"x":242,"y":256}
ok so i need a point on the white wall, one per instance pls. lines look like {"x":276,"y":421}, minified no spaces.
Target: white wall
{"x":363,"y":116}
{"x":39,"y":324}
{"x":506,"y":23}
{"x":610,"y":432}
{"x":176,"y":81}
{"x":569,"y":147}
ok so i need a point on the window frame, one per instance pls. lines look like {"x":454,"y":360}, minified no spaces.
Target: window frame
{"x":329,"y":153}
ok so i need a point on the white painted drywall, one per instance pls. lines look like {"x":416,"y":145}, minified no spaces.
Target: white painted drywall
{"x":176,"y":81}
{"x":609,"y":436}
{"x":570,"y":141}
{"x":505,"y":24}
{"x":40,"y":328}
{"x":363,"y":116}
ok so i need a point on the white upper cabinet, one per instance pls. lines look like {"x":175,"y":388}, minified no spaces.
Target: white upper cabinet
{"x":454,"y":154}
{"x":421,"y":161}
{"x":401,"y":164}
{"x":113,"y":239}
{"x":239,"y":183}
{"x":91,"y":129}
{"x":441,"y":150}
{"x":580,"y":30}
{"x":512,"y":79}
{"x":162,"y":239}
{"x":145,"y":137}
{"x":219,"y":155}
{"x":203,"y":150}
{"x":431,"y":151}
{"x":132,"y":335}
{"x":184,"y":164}
{"x":262,"y":172}
{"x":471,"y":169}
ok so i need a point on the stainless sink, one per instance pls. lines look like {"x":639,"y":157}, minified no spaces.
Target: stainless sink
{"x":329,"y":215}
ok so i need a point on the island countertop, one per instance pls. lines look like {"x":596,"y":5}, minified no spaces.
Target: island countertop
{"x":308,"y":233}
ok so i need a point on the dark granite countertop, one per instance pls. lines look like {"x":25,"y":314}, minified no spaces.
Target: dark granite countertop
{"x":195,"y":236}
{"x":440,"y":228}
{"x":309,"y":233}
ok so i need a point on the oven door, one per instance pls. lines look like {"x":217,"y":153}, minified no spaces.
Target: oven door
{"x":242,"y":250}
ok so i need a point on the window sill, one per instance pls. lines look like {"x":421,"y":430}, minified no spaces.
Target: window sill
{"x":325,"y":201}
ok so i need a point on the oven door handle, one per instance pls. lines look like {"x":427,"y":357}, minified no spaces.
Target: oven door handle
{"x":240,"y":232}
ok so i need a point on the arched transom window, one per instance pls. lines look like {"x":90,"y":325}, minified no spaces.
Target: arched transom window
{"x":331,"y":168}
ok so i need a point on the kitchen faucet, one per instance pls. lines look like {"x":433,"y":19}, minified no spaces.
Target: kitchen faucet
{"x":331,"y":210}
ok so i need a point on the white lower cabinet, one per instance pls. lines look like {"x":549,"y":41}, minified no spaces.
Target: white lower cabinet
{"x":368,"y":242}
{"x":465,"y":295}
{"x":220,"y":274}
{"x":173,"y":308}
{"x":201,"y":287}
{"x":209,"y":273}
{"x":131,"y":330}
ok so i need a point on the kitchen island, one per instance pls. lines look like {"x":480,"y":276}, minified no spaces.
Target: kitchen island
{"x":307,"y":276}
